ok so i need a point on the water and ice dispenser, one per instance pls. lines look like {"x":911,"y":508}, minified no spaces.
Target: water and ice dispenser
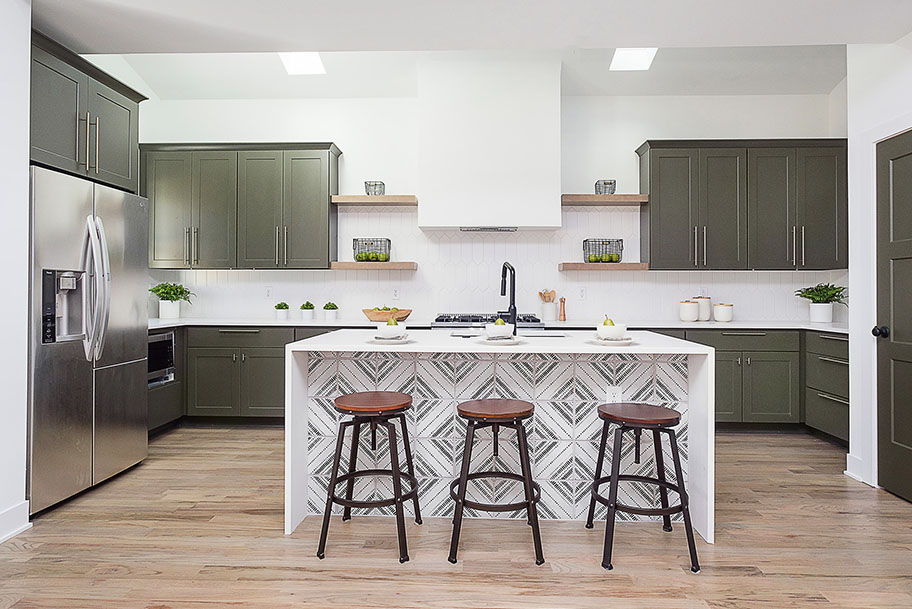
{"x":63,"y":299}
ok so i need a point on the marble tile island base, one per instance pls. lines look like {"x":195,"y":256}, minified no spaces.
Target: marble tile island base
{"x":565,"y":377}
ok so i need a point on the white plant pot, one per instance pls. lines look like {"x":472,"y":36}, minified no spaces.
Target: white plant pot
{"x":331,"y":315}
{"x":307,"y":314}
{"x":168,"y":309}
{"x":281,"y":314}
{"x":821,"y":312}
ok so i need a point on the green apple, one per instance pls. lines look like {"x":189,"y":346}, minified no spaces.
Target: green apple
{"x":615,"y":257}
{"x":606,"y":257}
{"x":594,"y":258}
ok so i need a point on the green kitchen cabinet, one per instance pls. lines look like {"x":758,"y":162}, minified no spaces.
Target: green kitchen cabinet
{"x":113,"y":137}
{"x":263,"y":382}
{"x":168,"y":184}
{"x":722,"y":222}
{"x":166,"y":401}
{"x":826,"y":362}
{"x":58,"y":131}
{"x":213,"y":236}
{"x":822,"y":209}
{"x":259,"y":208}
{"x":671,"y":222}
{"x":773,"y":211}
{"x":308,"y":217}
{"x":771,"y":387}
{"x":214,"y":381}
{"x":728,"y":386}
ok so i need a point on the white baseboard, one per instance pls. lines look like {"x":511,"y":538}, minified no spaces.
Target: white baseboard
{"x":855,"y":468}
{"x":14,"y":520}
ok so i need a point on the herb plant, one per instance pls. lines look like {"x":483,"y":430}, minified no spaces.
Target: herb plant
{"x":307,"y":306}
{"x":171,"y":292}
{"x":823,"y":293}
{"x":282,"y":306}
{"x":330,"y":306}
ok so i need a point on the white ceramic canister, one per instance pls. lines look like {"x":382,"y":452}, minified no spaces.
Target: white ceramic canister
{"x":689,"y":310}
{"x":723,"y":312}
{"x":820,"y":312}
{"x":549,"y":311}
{"x":705,"y":303}
{"x":169,"y":309}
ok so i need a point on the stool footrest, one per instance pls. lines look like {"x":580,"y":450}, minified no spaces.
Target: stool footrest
{"x":377,"y":503}
{"x":496,"y":507}
{"x":621,"y":507}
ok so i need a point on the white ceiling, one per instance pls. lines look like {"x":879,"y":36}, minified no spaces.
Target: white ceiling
{"x":155,"y":26}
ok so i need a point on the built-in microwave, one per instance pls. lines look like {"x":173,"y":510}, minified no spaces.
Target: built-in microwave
{"x":161,"y":359}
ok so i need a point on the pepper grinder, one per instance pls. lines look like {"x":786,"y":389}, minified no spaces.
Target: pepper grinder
{"x":563,"y":310}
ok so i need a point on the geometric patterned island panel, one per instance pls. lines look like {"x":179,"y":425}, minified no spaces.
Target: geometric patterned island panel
{"x":563,"y":433}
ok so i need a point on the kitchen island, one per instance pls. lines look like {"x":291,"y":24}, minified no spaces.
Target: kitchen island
{"x":566,"y":375}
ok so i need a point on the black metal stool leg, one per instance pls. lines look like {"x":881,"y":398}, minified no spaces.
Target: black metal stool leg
{"x":410,"y":464}
{"x":331,"y":490}
{"x":598,"y":473}
{"x":461,"y":494}
{"x":397,"y":491}
{"x":532,"y":510}
{"x":660,"y":473}
{"x":685,"y":502}
{"x":612,"y":497}
{"x":352,"y":463}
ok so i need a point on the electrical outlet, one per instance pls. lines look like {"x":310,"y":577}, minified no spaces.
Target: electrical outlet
{"x":614,"y":394}
{"x":268,"y":294}
{"x":582,"y":293}
{"x":395,"y":294}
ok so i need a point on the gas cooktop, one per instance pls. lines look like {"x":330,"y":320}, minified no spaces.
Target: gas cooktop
{"x":478,"y":320}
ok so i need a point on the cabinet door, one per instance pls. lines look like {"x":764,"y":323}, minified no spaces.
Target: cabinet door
{"x":673,"y":208}
{"x":822,"y":208}
{"x":167,"y":184}
{"x":723,"y":208}
{"x":771,"y":390}
{"x":259,"y":209}
{"x":113,"y":137}
{"x":214,"y":387}
{"x":58,"y":107}
{"x":728,"y":386}
{"x":306,"y":207}
{"x":214,"y":224}
{"x":263,"y":382}
{"x":772,"y":213}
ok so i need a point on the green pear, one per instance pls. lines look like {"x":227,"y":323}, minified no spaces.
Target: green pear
{"x":500,"y":322}
{"x":392,"y":322}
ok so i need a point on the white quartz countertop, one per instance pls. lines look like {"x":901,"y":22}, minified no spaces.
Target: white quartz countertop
{"x":838,"y":328}
{"x":441,"y":341}
{"x":294,"y":321}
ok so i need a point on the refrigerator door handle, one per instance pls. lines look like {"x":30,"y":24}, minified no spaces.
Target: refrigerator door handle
{"x":92,"y":264}
{"x":106,"y":289}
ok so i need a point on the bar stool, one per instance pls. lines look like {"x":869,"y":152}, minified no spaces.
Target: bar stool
{"x":637,"y":417}
{"x":372,"y":409}
{"x":496,"y":413}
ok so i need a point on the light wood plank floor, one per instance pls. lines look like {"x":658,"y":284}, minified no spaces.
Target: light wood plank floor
{"x":199,"y":524}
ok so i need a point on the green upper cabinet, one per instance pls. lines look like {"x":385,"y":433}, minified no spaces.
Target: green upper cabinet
{"x":260,"y":180}
{"x":213,"y":236}
{"x":307,"y":211}
{"x":168,"y":184}
{"x":744,"y":204}
{"x":82,"y":121}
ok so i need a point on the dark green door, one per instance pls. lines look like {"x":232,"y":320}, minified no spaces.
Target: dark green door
{"x":306,"y":207}
{"x":894,"y":301}
{"x":259,"y":209}
{"x":771,"y":387}
{"x":772,"y":191}
{"x":113,"y":137}
{"x":58,"y":113}
{"x":263,"y":382}
{"x":214,"y":229}
{"x":168,"y":186}
{"x":728,"y":386}
{"x":722,"y":231}
{"x":822,"y":208}
{"x":673,"y":208}
{"x":214,"y":386}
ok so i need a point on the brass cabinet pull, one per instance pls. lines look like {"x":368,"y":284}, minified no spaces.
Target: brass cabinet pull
{"x":832,"y":360}
{"x":744,"y":334}
{"x":831,"y":337}
{"x":832,"y":398}
{"x":239,"y":331}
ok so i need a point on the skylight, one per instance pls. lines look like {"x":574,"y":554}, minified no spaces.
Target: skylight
{"x":626,"y":60}
{"x":302,"y":63}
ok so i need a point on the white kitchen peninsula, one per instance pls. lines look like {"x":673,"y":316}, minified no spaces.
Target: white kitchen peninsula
{"x":566,"y":376}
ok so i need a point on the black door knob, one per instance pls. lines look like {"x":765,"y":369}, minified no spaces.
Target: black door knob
{"x":881,"y":331}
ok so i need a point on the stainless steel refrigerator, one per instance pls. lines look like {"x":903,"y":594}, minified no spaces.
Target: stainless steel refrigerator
{"x":87,"y":335}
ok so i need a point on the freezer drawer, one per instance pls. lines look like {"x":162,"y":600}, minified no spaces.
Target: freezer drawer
{"x":121,"y":407}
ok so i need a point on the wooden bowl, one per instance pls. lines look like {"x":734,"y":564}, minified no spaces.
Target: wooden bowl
{"x":384,"y":316}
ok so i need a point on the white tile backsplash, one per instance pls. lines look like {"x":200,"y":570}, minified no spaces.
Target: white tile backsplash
{"x":460,"y":272}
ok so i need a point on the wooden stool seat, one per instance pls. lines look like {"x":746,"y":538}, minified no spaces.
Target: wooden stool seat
{"x":639,"y":414}
{"x":496,"y":409}
{"x":378,"y":402}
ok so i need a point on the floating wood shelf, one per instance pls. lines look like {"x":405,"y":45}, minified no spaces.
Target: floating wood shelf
{"x":603,"y":200}
{"x":374,"y":266}
{"x":379,"y":200}
{"x":602,"y":266}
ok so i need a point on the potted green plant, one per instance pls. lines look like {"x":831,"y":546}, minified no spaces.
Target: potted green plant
{"x":822,"y":296}
{"x":170,"y":296}
{"x":281,"y":310}
{"x":330,"y":311}
{"x":307,"y":311}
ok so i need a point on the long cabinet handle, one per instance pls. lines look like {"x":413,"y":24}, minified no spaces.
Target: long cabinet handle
{"x":97,"y":140}
{"x":277,"y":245}
{"x":832,"y":398}
{"x":831,"y":337}
{"x":794,"y":245}
{"x":704,"y":245}
{"x":87,"y":121}
{"x":744,"y":334}
{"x":803,"y":260}
{"x":285,"y":245}
{"x":696,"y":246}
{"x":195,"y":245}
{"x":238,"y":331}
{"x":832,"y":360}
{"x":187,"y":245}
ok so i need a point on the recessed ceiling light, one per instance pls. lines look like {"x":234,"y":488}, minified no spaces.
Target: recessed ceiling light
{"x":626,"y":60}
{"x":302,"y":63}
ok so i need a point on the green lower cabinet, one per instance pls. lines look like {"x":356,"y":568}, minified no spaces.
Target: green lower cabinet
{"x":263,"y":382}
{"x":771,"y":391}
{"x":214,"y":387}
{"x":827,"y":412}
{"x":728,"y":386}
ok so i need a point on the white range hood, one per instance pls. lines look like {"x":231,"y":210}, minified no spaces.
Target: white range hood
{"x":489,"y":142}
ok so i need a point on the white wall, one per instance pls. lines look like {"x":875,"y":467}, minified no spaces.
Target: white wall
{"x":879,"y":90}
{"x":838,"y":101}
{"x":15,"y":33}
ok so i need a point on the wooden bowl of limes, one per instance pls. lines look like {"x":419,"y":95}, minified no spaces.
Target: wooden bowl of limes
{"x":385,"y":314}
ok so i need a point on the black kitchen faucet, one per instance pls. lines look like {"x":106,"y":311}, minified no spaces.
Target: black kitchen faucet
{"x":511,"y":311}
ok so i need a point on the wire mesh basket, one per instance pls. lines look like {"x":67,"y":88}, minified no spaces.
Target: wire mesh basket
{"x":603,"y":250}
{"x":371,"y":249}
